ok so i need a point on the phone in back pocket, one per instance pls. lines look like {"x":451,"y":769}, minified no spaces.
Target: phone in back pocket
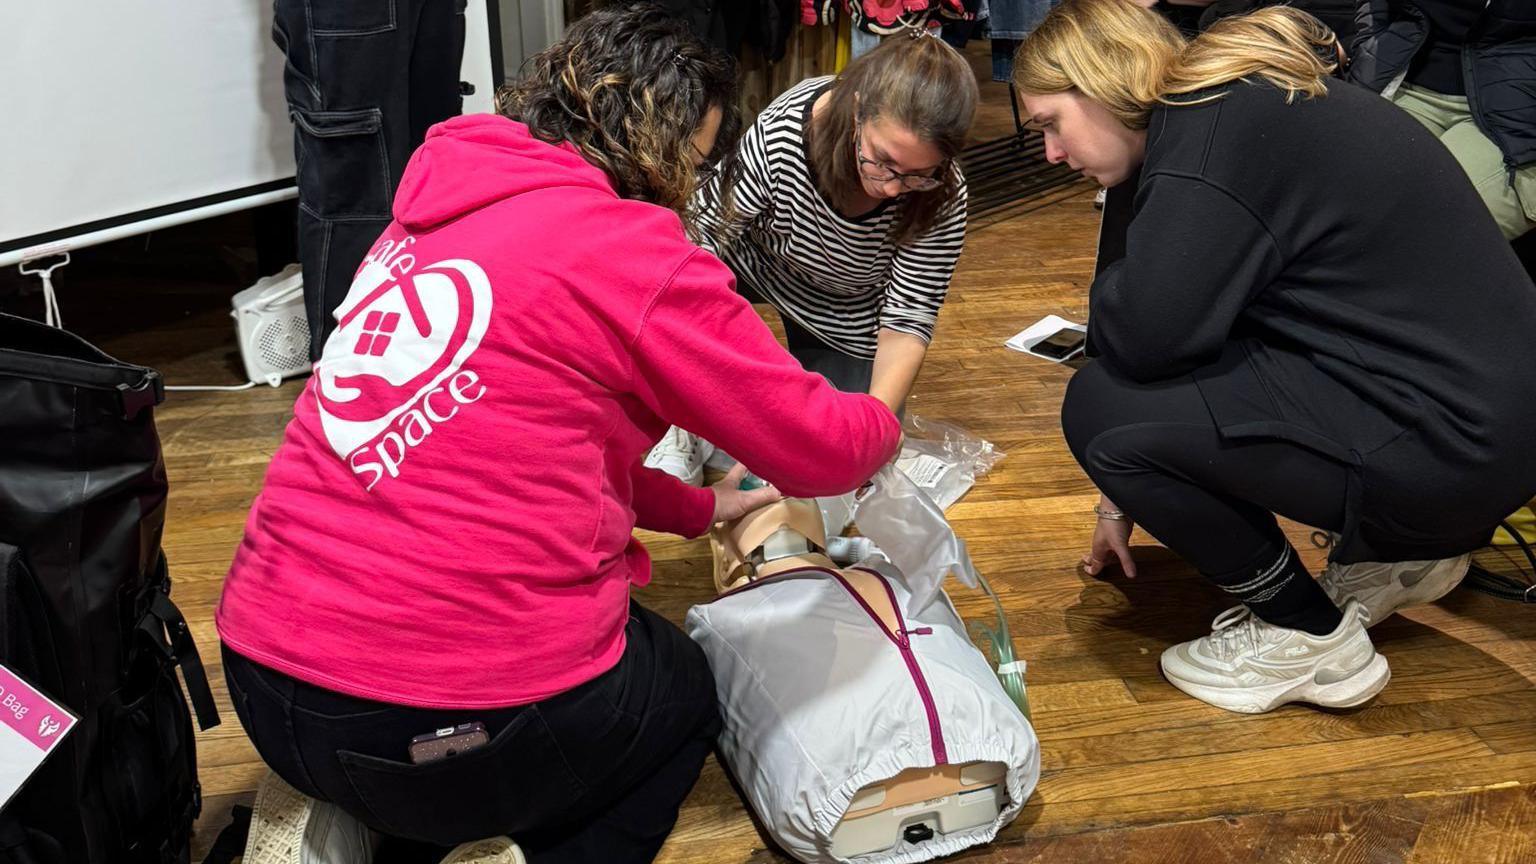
{"x":447,"y":742}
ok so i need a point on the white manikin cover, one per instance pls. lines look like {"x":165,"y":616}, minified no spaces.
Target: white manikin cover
{"x":818,"y":702}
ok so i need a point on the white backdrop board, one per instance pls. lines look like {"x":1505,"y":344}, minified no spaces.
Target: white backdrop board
{"x":122,"y":116}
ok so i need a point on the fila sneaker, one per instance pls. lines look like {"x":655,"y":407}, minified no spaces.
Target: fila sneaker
{"x":1251,"y":666}
{"x":681,"y":454}
{"x":1385,"y":588}
{"x":289,"y":827}
{"x":496,"y":850}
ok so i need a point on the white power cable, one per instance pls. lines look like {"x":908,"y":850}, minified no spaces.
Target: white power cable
{"x":55,"y":318}
{"x":268,"y":303}
{"x":246,"y":386}
{"x":51,"y":315}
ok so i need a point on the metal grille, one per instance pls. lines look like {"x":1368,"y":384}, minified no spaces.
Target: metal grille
{"x":283,"y":343}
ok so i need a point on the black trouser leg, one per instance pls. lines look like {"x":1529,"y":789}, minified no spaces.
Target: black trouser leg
{"x":637,"y":776}
{"x":845,"y":372}
{"x":437,"y":54}
{"x":594,"y":774}
{"x":363,"y":81}
{"x":1154,"y":450}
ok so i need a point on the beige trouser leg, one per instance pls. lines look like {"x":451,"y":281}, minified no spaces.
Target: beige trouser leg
{"x":1513,"y":205}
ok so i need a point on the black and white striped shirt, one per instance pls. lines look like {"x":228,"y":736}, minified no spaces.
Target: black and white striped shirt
{"x":842,"y":279}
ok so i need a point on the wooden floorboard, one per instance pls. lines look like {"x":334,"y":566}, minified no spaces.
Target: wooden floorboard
{"x":1440,"y":768}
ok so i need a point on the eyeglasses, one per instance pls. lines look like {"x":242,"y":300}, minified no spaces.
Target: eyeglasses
{"x":882,"y":173}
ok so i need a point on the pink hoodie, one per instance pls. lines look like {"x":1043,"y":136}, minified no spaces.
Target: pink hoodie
{"x":447,"y":521}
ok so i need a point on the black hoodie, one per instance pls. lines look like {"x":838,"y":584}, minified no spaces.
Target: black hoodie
{"x":1329,"y":276}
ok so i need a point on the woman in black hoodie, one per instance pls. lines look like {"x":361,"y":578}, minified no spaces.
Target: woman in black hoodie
{"x":1279,"y":338}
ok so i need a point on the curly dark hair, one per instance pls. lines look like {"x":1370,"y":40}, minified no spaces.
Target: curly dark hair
{"x":628,"y":87}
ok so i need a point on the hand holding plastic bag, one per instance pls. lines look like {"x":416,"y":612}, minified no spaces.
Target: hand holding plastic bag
{"x":910,"y":529}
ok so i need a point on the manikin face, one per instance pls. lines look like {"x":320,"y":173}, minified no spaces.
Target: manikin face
{"x":1083,"y":134}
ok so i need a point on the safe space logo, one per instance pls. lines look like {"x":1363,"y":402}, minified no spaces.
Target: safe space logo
{"x":394,"y":369}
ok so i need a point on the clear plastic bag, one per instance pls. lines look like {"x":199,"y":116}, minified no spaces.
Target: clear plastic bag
{"x":910,"y":531}
{"x":836,"y":513}
{"x":943,"y":459}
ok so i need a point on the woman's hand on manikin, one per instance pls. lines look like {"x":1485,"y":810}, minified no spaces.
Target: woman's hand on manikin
{"x":732,"y":502}
{"x":1111,"y":537}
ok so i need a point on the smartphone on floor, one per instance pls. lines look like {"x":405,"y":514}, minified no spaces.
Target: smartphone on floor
{"x":1061,"y":345}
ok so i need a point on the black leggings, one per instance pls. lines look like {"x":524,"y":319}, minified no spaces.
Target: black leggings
{"x":1155,"y":451}
{"x":594,"y":774}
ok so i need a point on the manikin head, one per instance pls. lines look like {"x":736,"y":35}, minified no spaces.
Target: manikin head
{"x":771,"y":539}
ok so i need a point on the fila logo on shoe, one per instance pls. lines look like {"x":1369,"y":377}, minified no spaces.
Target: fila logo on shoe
{"x":1296,"y":651}
{"x":393,"y":371}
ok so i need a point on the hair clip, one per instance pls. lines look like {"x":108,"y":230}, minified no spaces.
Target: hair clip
{"x":678,"y":59}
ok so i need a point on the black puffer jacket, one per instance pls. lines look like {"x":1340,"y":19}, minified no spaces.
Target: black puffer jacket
{"x":1339,"y":15}
{"x":1498,"y":64}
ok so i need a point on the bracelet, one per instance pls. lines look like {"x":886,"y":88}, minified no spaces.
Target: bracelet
{"x":1116,"y":515}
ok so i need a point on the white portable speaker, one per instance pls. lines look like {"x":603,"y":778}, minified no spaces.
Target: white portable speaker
{"x":272,"y":327}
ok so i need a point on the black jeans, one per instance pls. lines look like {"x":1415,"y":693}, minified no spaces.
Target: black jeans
{"x":1155,"y":451}
{"x":363,"y":80}
{"x":845,"y":372}
{"x":594,"y":774}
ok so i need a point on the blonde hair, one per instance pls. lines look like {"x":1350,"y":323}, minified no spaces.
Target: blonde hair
{"x":1129,"y":58}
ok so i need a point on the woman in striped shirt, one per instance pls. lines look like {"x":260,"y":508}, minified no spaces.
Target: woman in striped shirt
{"x":843,"y":207}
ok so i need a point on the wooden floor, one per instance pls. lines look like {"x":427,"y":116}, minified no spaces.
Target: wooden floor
{"x":1440,"y":768}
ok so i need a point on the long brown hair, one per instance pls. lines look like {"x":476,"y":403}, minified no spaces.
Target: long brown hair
{"x":628,"y":87}
{"x":1129,"y":58}
{"x":920,"y":83}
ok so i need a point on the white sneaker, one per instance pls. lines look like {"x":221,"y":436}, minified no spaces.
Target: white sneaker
{"x":289,"y":827}
{"x":1385,"y":588}
{"x":1250,"y":666}
{"x":681,"y":454}
{"x":496,"y":850}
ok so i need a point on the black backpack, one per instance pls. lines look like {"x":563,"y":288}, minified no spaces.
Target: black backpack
{"x":86,"y":609}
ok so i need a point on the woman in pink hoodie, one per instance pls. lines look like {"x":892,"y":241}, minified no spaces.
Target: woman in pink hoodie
{"x":444,"y":538}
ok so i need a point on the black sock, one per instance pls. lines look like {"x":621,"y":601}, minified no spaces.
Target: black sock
{"x":1282,"y":592}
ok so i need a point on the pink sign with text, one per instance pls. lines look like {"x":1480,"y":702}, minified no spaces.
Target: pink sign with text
{"x":31,"y":725}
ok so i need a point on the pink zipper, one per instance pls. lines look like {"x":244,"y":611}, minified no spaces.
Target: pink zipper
{"x":900,"y":637}
{"x":935,"y":731}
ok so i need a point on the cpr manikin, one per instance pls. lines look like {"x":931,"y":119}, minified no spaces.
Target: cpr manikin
{"x":856,"y":731}
{"x":781,"y":536}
